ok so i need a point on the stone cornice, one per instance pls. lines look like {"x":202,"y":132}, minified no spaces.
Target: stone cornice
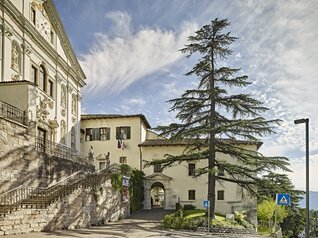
{"x":21,"y":21}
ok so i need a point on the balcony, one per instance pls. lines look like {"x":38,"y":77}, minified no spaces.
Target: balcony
{"x":12,"y":113}
{"x":61,"y":151}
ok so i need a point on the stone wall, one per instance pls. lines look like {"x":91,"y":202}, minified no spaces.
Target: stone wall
{"x":83,"y":208}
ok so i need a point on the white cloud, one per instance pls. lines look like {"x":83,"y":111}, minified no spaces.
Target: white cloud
{"x":115,"y":63}
{"x":137,"y":101}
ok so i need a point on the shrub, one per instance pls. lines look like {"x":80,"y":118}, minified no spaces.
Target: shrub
{"x":188,"y":207}
{"x":178,"y":206}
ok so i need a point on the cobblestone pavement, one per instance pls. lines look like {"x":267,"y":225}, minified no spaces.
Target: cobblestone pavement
{"x":140,"y":225}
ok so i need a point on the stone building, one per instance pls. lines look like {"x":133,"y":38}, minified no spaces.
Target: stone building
{"x":128,"y":139}
{"x":39,"y":73}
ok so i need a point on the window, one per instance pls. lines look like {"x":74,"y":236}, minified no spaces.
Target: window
{"x":42,"y":80}
{"x":191,"y":169}
{"x":92,"y":134}
{"x":42,"y":139}
{"x":157,"y":168}
{"x":50,"y":88}
{"x":123,"y":160}
{"x":220,"y":194}
{"x":33,"y":15}
{"x":191,"y":194}
{"x":105,"y":133}
{"x":220,"y":171}
{"x":34,"y":75}
{"x":102,"y":165}
{"x":123,"y":133}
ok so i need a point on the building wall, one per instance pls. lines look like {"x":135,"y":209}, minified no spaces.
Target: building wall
{"x":35,"y":49}
{"x":130,"y":151}
{"x":235,"y":198}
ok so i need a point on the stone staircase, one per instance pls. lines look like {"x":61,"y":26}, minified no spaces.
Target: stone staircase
{"x":36,"y":197}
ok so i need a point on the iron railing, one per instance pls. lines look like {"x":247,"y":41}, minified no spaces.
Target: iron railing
{"x":13,"y":113}
{"x":38,"y":197}
{"x":61,"y":151}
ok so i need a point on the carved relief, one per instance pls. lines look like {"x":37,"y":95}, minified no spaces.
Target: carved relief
{"x":73,"y":119}
{"x":8,"y":31}
{"x":74,"y":104}
{"x":27,"y":48}
{"x":63,"y":96}
{"x":41,"y":111}
{"x":15,"y":77}
{"x":15,"y":56}
{"x":63,"y":112}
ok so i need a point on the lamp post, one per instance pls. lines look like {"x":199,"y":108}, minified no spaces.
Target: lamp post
{"x":299,"y":121}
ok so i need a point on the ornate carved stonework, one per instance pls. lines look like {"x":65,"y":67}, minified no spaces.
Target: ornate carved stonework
{"x":73,"y":119}
{"x":41,"y":111}
{"x":70,"y":90}
{"x":63,"y":112}
{"x":79,"y":97}
{"x":27,"y":48}
{"x":8,"y":31}
{"x":15,"y":77}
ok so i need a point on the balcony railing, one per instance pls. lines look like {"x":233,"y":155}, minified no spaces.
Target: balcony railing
{"x":13,"y":113}
{"x":61,"y":151}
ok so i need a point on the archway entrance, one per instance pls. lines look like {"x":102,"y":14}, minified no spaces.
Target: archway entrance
{"x":158,"y":192}
{"x":157,"y":195}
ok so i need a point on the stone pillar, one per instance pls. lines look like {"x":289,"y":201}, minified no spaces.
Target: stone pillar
{"x":168,"y":199}
{"x":147,"y":200}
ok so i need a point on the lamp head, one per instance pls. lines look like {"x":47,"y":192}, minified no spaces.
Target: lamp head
{"x":299,"y":121}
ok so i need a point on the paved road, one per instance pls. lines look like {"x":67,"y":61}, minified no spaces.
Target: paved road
{"x":140,"y":225}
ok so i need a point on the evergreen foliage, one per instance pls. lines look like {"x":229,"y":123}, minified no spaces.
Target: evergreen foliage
{"x":213,"y":119}
{"x":136,"y":190}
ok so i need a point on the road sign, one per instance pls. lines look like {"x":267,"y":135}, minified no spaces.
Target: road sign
{"x":206,"y":204}
{"x":283,"y":199}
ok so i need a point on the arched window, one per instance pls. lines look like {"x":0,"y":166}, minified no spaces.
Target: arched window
{"x":42,"y":79}
{"x":16,"y":56}
{"x":63,"y":95}
{"x":63,"y":132}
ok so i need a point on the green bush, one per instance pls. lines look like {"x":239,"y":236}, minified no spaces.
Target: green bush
{"x":174,"y":222}
{"x":178,"y":206}
{"x":188,"y":207}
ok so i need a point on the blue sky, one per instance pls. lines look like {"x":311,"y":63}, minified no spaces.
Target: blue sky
{"x":129,"y":52}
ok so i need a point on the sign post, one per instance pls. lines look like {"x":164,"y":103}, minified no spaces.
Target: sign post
{"x":282,"y":199}
{"x":206,"y":204}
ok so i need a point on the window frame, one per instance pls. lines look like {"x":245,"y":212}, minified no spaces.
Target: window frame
{"x":191,"y":171}
{"x":34,"y":72}
{"x":220,"y":195}
{"x":123,"y":159}
{"x":33,"y":15}
{"x":106,"y":134}
{"x":191,"y":194}
{"x":50,"y":88}
{"x":42,"y":72}
{"x":119,"y":134}
{"x":157,"y":168}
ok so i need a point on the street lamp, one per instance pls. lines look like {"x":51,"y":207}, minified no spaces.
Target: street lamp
{"x":299,"y":121}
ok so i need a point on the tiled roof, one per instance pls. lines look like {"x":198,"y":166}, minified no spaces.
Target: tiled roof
{"x":167,"y":142}
{"x":111,"y":116}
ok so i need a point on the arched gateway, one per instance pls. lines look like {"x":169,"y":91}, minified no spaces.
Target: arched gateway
{"x":155,"y":185}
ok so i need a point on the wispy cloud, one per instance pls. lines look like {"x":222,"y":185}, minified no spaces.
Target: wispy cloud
{"x":115,"y":63}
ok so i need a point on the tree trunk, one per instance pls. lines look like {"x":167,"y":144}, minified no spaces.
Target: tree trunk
{"x":211,"y":177}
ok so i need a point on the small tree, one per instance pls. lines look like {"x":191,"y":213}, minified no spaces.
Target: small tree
{"x":213,"y":119}
{"x":266,"y":212}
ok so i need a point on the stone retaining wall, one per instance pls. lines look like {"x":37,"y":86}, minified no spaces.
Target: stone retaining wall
{"x":83,"y":208}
